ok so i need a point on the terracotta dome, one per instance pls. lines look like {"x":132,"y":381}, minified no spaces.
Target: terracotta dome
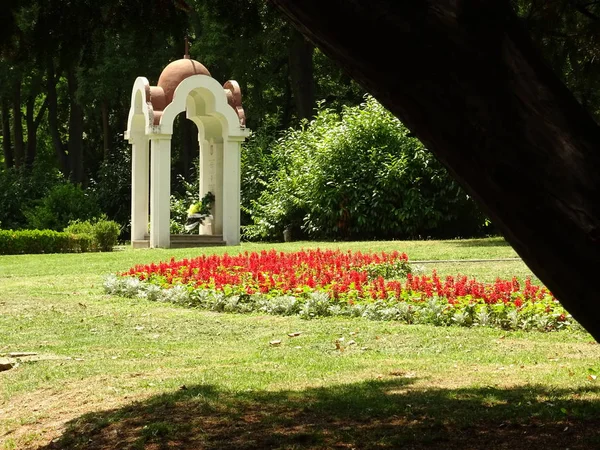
{"x":176,"y":72}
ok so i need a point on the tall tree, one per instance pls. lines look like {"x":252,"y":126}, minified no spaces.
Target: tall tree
{"x":302,"y":80}
{"x":479,"y":95}
{"x":7,"y":149}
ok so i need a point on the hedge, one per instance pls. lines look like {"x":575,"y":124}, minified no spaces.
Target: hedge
{"x":42,"y":241}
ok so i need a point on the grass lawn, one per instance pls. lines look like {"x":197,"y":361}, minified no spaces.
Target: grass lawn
{"x":114,"y":373}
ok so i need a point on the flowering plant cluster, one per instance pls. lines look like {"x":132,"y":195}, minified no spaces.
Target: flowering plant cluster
{"x":315,"y":283}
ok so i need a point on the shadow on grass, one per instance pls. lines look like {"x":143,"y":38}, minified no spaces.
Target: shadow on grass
{"x":381,"y":414}
{"x":489,"y":242}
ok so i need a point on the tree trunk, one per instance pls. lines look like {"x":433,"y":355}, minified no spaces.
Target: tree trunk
{"x":9,"y":161}
{"x":75,"y":143}
{"x":105,"y":129}
{"x":301,"y":74}
{"x":52,"y":97}
{"x":189,"y":146}
{"x":19,"y":152}
{"x":33,"y":123}
{"x":475,"y":90}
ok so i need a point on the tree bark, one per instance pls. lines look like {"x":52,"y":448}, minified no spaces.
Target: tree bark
{"x":474,"y":89}
{"x":33,"y":123}
{"x":19,"y":149}
{"x":6,"y":139}
{"x":189,"y":146}
{"x":105,"y":129}
{"x":31,"y":132}
{"x":59,"y":147}
{"x":302,"y":74}
{"x":75,"y":142}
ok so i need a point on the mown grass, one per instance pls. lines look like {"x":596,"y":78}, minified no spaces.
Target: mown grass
{"x":122,"y":373}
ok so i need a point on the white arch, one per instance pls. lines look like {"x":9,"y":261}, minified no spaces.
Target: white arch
{"x":139,"y":109}
{"x":209,"y":100}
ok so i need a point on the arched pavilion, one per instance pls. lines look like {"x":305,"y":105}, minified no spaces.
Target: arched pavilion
{"x":186,"y":86}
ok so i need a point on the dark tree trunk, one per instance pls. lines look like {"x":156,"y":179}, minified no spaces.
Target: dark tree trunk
{"x":301,"y":74}
{"x":105,"y":130}
{"x":52,"y":97}
{"x":33,"y":123}
{"x":286,"y":116}
{"x":19,"y":152}
{"x":31,"y":132}
{"x":189,"y":146}
{"x":477,"y":93}
{"x":75,"y":143}
{"x":6,"y":139}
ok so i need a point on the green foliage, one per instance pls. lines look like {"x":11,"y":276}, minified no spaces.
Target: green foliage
{"x":203,"y":206}
{"x":83,"y":230}
{"x":388,"y":270}
{"x":112,"y":188}
{"x":102,"y":234}
{"x":258,"y":165}
{"x":360,"y":175}
{"x":20,"y":189}
{"x":41,"y":241}
{"x":106,"y":233}
{"x":64,"y":203}
{"x":180,"y":202}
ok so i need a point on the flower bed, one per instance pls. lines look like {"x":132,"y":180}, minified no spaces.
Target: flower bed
{"x":313,"y":283}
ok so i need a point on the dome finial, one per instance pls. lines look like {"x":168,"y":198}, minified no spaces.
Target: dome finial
{"x":187,"y":48}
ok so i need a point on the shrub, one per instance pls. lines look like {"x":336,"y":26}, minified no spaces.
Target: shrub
{"x":360,"y":176}
{"x":84,"y":231}
{"x":101,"y":235}
{"x":106,"y":233}
{"x":64,"y":203}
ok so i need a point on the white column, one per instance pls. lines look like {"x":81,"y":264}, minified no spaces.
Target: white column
{"x":160,"y":191}
{"x":231,"y":191}
{"x":207,"y":179}
{"x":218,"y":206}
{"x":139,"y":187}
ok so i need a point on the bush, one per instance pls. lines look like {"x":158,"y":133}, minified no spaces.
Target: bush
{"x":360,"y":176}
{"x":106,"y":233}
{"x":41,"y":241}
{"x":64,"y":203}
{"x":85,"y":232}
{"x":102,"y":235}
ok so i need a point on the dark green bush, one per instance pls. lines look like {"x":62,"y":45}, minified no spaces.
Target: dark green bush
{"x":20,"y":189}
{"x":40,"y":241}
{"x":360,"y":176}
{"x":64,"y":203}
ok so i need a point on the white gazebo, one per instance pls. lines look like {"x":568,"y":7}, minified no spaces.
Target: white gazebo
{"x":185,"y":85}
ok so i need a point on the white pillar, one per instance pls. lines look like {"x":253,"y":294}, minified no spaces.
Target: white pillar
{"x":208,"y":180}
{"x":139,"y":187}
{"x":160,"y":191}
{"x":219,"y":199}
{"x":231,"y":191}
